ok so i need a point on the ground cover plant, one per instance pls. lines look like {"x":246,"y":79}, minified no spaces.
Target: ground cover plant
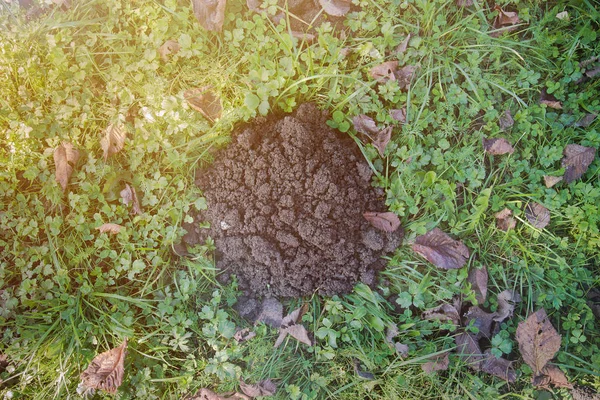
{"x":477,"y":120}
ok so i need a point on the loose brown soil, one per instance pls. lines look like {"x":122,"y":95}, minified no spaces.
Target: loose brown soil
{"x":285,"y":203}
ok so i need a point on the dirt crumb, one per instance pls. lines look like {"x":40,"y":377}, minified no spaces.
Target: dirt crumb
{"x":285,"y":203}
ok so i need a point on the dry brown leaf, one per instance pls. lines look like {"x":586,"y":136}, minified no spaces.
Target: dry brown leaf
{"x":505,"y":20}
{"x":253,"y":5}
{"x":467,"y":347}
{"x":506,"y":304}
{"x":506,"y":120}
{"x":550,"y":181}
{"x":504,"y":220}
{"x":445,"y":312}
{"x":206,"y":394}
{"x":591,"y":73}
{"x":262,"y":388}
{"x":110,"y":228}
{"x":210,"y":13}
{"x":500,"y":367}
{"x":386,"y":221}
{"x":130,"y":196}
{"x":537,"y":215}
{"x":106,"y":371}
{"x":297,"y":331}
{"x":401,"y":48}
{"x":244,"y":335}
{"x":497,"y":146}
{"x":404,"y":75}
{"x":168,"y":48}
{"x":205,"y":102}
{"x":382,"y":138}
{"x":365,"y":125}
{"x":304,"y":37}
{"x":478,"y":278}
{"x":438,"y":363}
{"x":586,"y":120}
{"x":549,"y":100}
{"x":65,"y":158}
{"x":390,"y":333}
{"x":293,"y":317}
{"x":481,"y":320}
{"x":385,"y":71}
{"x":464,"y":3}
{"x":399,"y":114}
{"x":113,"y":140}
{"x":551,"y":375}
{"x":538,"y":340}
{"x":577,"y":160}
{"x":336,"y":8}
{"x":441,"y":250}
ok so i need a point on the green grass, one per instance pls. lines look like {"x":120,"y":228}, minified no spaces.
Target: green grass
{"x":68,"y":292}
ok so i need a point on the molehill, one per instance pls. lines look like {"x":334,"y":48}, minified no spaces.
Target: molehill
{"x":285,"y":206}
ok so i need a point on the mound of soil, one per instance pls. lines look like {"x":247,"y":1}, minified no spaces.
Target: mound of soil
{"x":285,"y":204}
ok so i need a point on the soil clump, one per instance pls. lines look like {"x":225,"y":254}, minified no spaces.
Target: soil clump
{"x":285,"y":203}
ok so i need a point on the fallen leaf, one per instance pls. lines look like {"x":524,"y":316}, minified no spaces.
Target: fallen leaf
{"x":577,"y":159}
{"x":551,"y":375}
{"x":438,"y":363}
{"x":106,"y":371}
{"x":591,"y":73}
{"x":467,"y":347}
{"x":537,"y":215}
{"x":244,"y":335}
{"x":294,"y":316}
{"x":205,"y":102}
{"x":441,"y":250}
{"x":401,"y":349}
{"x":464,"y":3}
{"x":586,"y":120}
{"x":504,"y":220}
{"x":401,"y":48}
{"x":563,"y":15}
{"x":385,"y":71}
{"x":65,"y":158}
{"x":550,"y":181}
{"x":504,"y":19}
{"x":110,"y":228}
{"x":253,"y":5}
{"x":206,"y":394}
{"x":262,"y":388}
{"x":113,"y":140}
{"x":399,"y":114}
{"x":497,"y":146}
{"x":390,"y":333}
{"x":271,"y":312}
{"x":130,"y":196}
{"x":363,"y":374}
{"x":506,"y":304}
{"x":506,"y":120}
{"x":365,"y":125}
{"x":404,"y":76}
{"x":538,"y":340}
{"x":478,"y":278}
{"x":445,"y":312}
{"x":482,"y":320}
{"x":298,"y":332}
{"x":168,"y":48}
{"x":382,"y":138}
{"x":336,"y":8}
{"x":500,"y":367}
{"x":210,"y":13}
{"x":386,"y":221}
{"x":549,"y":100}
{"x":304,"y":37}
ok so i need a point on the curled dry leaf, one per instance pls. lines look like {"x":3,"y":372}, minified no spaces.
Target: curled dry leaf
{"x":538,"y":340}
{"x":549,"y":100}
{"x":577,"y":160}
{"x":506,"y":120}
{"x":65,"y":158}
{"x":550,"y":181}
{"x":382,"y":138}
{"x":336,"y":8}
{"x":385,"y":71}
{"x":401,"y":48}
{"x":445,"y":312}
{"x":504,"y":220}
{"x":437,"y":363}
{"x":386,"y":221}
{"x":113,"y":140}
{"x":365,"y":125}
{"x":205,"y":102}
{"x":130,"y":196}
{"x":500,"y":367}
{"x":244,"y":335}
{"x":551,"y":375}
{"x":441,"y":250}
{"x":478,"y":278}
{"x":290,"y":327}
{"x":482,"y":320}
{"x":537,"y":215}
{"x":506,"y":304}
{"x":404,"y":75}
{"x":262,"y":388}
{"x":390,"y":333}
{"x":505,"y":20}
{"x":106,"y":371}
{"x":497,"y":146}
{"x":210,"y":13}
{"x":168,"y":48}
{"x":110,"y":228}
{"x":467,"y":347}
{"x":586,"y":120}
{"x":399,"y":115}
